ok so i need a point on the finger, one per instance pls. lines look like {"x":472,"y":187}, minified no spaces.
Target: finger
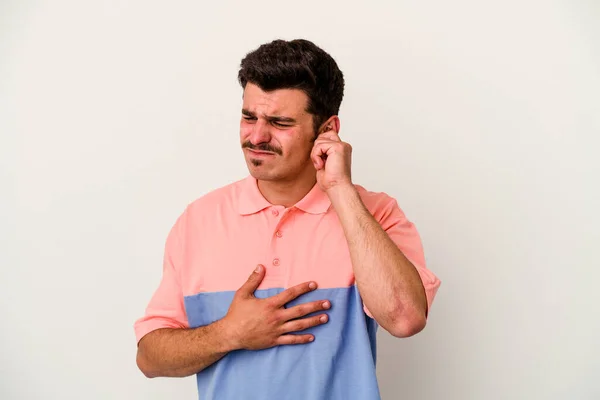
{"x":253,"y":282}
{"x":319,"y":150}
{"x":318,"y":162}
{"x":304,"y":323}
{"x":304,"y":309}
{"x":294,"y":339}
{"x":330,"y":135}
{"x":326,"y":146}
{"x":295,"y":291}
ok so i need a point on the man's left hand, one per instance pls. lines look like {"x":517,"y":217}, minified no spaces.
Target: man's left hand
{"x":332,"y":159}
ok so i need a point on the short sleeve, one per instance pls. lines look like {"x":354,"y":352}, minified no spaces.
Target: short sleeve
{"x":166,"y":308}
{"x":404,"y":233}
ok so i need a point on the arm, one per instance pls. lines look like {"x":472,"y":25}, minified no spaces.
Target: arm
{"x":181,"y":352}
{"x":391,"y":287}
{"x":388,"y":282}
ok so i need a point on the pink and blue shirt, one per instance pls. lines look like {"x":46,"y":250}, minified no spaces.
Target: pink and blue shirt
{"x":217,"y":242}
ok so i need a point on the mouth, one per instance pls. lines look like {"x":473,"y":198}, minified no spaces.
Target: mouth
{"x":256,"y":153}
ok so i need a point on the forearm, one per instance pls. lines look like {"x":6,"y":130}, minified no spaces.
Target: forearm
{"x":182,"y":352}
{"x":389,"y":284}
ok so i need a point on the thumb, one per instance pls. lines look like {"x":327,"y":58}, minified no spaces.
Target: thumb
{"x":250,"y":286}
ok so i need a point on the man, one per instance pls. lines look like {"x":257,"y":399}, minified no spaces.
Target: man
{"x":328,"y":261}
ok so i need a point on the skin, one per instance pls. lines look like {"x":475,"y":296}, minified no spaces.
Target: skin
{"x":278,"y":141}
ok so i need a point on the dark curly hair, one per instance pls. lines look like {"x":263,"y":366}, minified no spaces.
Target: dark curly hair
{"x":297,"y":64}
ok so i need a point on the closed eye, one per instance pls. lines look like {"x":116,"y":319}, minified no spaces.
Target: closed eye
{"x":281,"y":124}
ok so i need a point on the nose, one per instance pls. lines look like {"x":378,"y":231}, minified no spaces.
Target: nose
{"x":260,"y":133}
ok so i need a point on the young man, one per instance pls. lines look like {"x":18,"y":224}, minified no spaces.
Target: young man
{"x":328,"y":261}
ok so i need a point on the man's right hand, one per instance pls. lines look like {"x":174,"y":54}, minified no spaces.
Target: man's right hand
{"x":255,"y":324}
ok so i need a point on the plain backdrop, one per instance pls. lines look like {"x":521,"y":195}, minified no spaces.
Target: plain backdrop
{"x":482,"y":119}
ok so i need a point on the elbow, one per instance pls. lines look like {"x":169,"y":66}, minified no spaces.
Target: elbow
{"x":407,"y":329}
{"x":405,"y":325}
{"x":144,"y":366}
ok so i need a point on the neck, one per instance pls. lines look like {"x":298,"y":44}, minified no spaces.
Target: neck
{"x":287,"y":193}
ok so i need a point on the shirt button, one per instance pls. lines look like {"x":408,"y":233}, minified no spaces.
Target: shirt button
{"x":278,"y":234}
{"x":275,"y":212}
{"x":276,"y":262}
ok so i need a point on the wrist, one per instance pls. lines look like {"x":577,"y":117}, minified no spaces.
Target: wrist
{"x":341,"y":191}
{"x":226,"y":336}
{"x":343,"y":195}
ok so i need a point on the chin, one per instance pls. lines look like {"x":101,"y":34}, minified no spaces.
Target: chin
{"x":259,"y":172}
{"x":265,"y":174}
{"x":262,"y":176}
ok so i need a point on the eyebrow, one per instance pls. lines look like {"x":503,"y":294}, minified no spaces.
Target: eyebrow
{"x":271,"y":118}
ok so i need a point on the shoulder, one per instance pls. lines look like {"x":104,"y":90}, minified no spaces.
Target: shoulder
{"x":382,"y":206}
{"x":376,"y":202}
{"x":224,"y":196}
{"x":209,"y":205}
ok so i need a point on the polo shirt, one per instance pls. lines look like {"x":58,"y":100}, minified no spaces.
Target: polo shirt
{"x":213,"y":248}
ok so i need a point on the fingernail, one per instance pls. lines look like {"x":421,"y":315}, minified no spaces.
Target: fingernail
{"x":326,"y":304}
{"x":258,"y":268}
{"x":323,"y":318}
{"x":311,"y":339}
{"x":312,"y":285}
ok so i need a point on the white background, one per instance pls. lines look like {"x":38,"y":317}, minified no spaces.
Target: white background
{"x":481,"y":118}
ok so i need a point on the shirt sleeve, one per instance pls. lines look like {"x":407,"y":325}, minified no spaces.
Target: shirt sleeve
{"x":404,"y":233}
{"x":166,"y":308}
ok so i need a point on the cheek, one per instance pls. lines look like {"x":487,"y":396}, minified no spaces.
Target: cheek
{"x":299,"y":149}
{"x":245,"y":131}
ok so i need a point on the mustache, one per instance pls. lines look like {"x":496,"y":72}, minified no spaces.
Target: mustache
{"x":262,"y":147}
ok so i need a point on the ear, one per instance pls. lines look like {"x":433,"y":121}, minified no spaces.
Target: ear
{"x":332,"y":124}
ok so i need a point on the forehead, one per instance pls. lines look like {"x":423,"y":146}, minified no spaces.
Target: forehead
{"x":276,"y":102}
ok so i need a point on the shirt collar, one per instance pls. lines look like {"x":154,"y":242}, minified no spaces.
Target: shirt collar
{"x":252,"y":201}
